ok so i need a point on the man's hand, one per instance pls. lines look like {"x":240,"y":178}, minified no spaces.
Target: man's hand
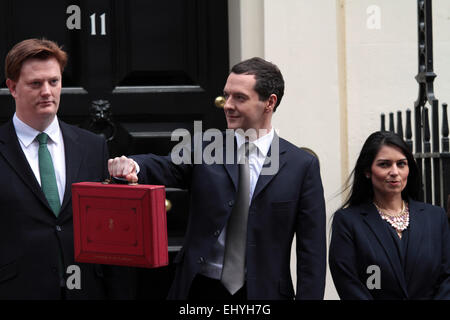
{"x":123,"y":167}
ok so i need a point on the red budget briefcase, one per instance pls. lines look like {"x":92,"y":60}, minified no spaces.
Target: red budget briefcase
{"x":120,"y":224}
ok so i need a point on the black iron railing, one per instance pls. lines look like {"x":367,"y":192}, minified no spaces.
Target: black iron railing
{"x":430,"y":143}
{"x":436,"y":180}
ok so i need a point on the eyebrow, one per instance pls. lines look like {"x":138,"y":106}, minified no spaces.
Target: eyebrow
{"x":235,"y":93}
{"x":381,"y":160}
{"x":43,"y":79}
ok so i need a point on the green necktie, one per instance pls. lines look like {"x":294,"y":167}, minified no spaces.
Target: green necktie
{"x":47,"y":172}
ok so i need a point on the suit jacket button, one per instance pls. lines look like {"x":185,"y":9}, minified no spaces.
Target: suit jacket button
{"x":201,"y":260}
{"x":231,"y":203}
{"x":58,"y":228}
{"x":217,"y":233}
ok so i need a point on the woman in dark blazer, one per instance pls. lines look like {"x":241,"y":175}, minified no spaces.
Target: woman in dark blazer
{"x":385,"y":244}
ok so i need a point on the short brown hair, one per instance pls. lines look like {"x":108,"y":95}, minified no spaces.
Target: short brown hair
{"x":269,"y":79}
{"x":32,"y":49}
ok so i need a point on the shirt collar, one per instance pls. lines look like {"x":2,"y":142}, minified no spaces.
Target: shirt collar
{"x":262,"y":143}
{"x":27,"y":134}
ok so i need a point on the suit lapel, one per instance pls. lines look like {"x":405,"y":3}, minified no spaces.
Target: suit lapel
{"x":230,"y":158}
{"x":12,"y":152}
{"x":272,"y":165}
{"x":73,"y":157}
{"x":417,"y":223}
{"x":378,"y":227}
{"x":267,"y":174}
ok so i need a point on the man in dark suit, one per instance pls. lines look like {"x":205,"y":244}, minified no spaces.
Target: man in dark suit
{"x":40,"y":158}
{"x":244,"y":213}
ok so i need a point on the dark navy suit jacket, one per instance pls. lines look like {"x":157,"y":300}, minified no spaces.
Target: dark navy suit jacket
{"x":31,"y":237}
{"x":360,"y":239}
{"x":286,"y":203}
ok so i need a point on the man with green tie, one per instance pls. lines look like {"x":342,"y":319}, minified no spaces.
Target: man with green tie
{"x":40,"y":158}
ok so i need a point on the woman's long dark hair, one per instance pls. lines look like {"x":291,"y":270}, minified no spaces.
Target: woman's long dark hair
{"x":362,"y":189}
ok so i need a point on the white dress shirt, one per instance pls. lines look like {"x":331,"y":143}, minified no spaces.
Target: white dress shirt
{"x":213,"y":266}
{"x":257,"y":157}
{"x":30,"y":146}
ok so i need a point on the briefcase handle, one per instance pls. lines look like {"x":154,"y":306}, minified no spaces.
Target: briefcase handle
{"x":114,"y":180}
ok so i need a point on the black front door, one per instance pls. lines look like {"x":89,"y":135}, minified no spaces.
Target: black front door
{"x":159,"y":64}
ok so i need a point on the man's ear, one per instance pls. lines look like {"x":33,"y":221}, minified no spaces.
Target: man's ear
{"x":11,"y":86}
{"x":272,"y":101}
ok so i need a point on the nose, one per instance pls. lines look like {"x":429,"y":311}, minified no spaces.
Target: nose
{"x":45,"y":90}
{"x":394,"y":170}
{"x":228,"y":106}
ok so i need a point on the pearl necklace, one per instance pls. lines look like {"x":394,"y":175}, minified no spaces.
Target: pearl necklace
{"x":399,"y":222}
